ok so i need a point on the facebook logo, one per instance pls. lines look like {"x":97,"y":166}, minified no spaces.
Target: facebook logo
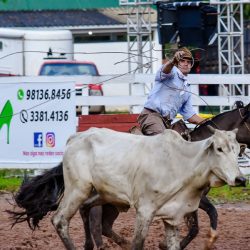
{"x":38,"y":139}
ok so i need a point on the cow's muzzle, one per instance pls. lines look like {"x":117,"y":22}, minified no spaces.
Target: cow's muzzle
{"x":240,"y":181}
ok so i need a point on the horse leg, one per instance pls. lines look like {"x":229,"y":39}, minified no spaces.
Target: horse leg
{"x":84,"y":212}
{"x":193,"y":226}
{"x":172,"y":240}
{"x":99,"y":220}
{"x":110,"y":213}
{"x":207,"y":206}
{"x":95,"y":219}
{"x":70,"y":203}
{"x":143,"y":219}
{"x":91,"y":213}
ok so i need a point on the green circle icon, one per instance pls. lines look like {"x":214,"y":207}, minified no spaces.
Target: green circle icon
{"x":20,"y":94}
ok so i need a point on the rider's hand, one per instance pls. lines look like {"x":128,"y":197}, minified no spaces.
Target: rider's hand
{"x":178,"y":56}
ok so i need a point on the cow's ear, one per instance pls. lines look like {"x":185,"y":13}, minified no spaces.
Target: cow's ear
{"x":211,"y":129}
{"x":235,"y":130}
{"x":210,"y":144}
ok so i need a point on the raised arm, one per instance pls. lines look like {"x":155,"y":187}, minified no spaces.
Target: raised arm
{"x":173,"y":62}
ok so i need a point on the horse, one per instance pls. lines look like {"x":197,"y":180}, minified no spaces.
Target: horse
{"x":34,"y":211}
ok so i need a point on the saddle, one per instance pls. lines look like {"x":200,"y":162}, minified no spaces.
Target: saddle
{"x":179,"y":126}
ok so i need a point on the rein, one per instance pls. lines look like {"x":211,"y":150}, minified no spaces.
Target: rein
{"x":207,"y":120}
{"x":242,"y":117}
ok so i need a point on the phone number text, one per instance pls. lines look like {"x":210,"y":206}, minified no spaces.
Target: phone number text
{"x":48,"y":94}
{"x":48,"y":116}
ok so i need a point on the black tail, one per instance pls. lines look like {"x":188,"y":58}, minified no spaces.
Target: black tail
{"x":38,"y":196}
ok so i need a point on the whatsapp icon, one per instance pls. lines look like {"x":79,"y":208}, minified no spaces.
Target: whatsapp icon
{"x":20,"y":94}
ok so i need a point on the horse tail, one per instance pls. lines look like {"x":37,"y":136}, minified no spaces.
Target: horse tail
{"x":38,"y":196}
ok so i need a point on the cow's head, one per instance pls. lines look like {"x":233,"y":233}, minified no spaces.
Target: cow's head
{"x":224,"y":152}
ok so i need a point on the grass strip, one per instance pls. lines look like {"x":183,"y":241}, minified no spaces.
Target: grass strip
{"x":10,"y":181}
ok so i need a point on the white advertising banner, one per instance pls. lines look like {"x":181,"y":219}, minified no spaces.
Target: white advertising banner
{"x":36,"y":119}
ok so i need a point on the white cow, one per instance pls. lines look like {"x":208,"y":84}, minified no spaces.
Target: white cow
{"x":161,"y":174}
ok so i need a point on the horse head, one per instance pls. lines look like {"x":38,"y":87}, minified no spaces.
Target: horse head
{"x":239,"y":104}
{"x":243,"y":135}
{"x":236,"y":118}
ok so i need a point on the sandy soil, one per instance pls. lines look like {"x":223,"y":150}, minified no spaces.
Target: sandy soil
{"x":234,"y":230}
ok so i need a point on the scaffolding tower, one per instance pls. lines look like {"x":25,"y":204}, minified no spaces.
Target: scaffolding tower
{"x":230,"y":25}
{"x":230,"y":36}
{"x":139,"y":35}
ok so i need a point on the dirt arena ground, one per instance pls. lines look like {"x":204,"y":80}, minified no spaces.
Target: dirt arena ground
{"x":234,"y":230}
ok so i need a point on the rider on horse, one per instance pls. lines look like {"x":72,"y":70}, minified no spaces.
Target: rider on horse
{"x":170,"y":95}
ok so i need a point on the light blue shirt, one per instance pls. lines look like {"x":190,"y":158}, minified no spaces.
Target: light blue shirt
{"x":168,"y":96}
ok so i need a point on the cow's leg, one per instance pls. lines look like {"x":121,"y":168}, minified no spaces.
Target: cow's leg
{"x":172,"y":239}
{"x":71,"y":201}
{"x":143,"y":219}
{"x":110,"y":213}
{"x":207,"y":206}
{"x":193,"y":227}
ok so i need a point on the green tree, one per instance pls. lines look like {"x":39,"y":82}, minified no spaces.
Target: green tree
{"x":247,"y":11}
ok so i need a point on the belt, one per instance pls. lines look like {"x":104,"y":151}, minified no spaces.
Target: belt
{"x":151,"y":110}
{"x":166,"y":118}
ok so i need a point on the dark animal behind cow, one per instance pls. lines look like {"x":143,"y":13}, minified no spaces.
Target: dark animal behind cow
{"x":237,"y":118}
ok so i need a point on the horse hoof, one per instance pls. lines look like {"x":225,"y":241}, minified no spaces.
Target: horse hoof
{"x":88,"y":247}
{"x":213,"y":235}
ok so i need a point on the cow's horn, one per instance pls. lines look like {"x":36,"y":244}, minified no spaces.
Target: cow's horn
{"x":211,"y":129}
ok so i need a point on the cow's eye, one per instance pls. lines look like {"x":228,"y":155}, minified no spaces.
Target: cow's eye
{"x":220,"y":149}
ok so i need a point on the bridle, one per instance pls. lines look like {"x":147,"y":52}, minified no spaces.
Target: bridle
{"x":242,"y":117}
